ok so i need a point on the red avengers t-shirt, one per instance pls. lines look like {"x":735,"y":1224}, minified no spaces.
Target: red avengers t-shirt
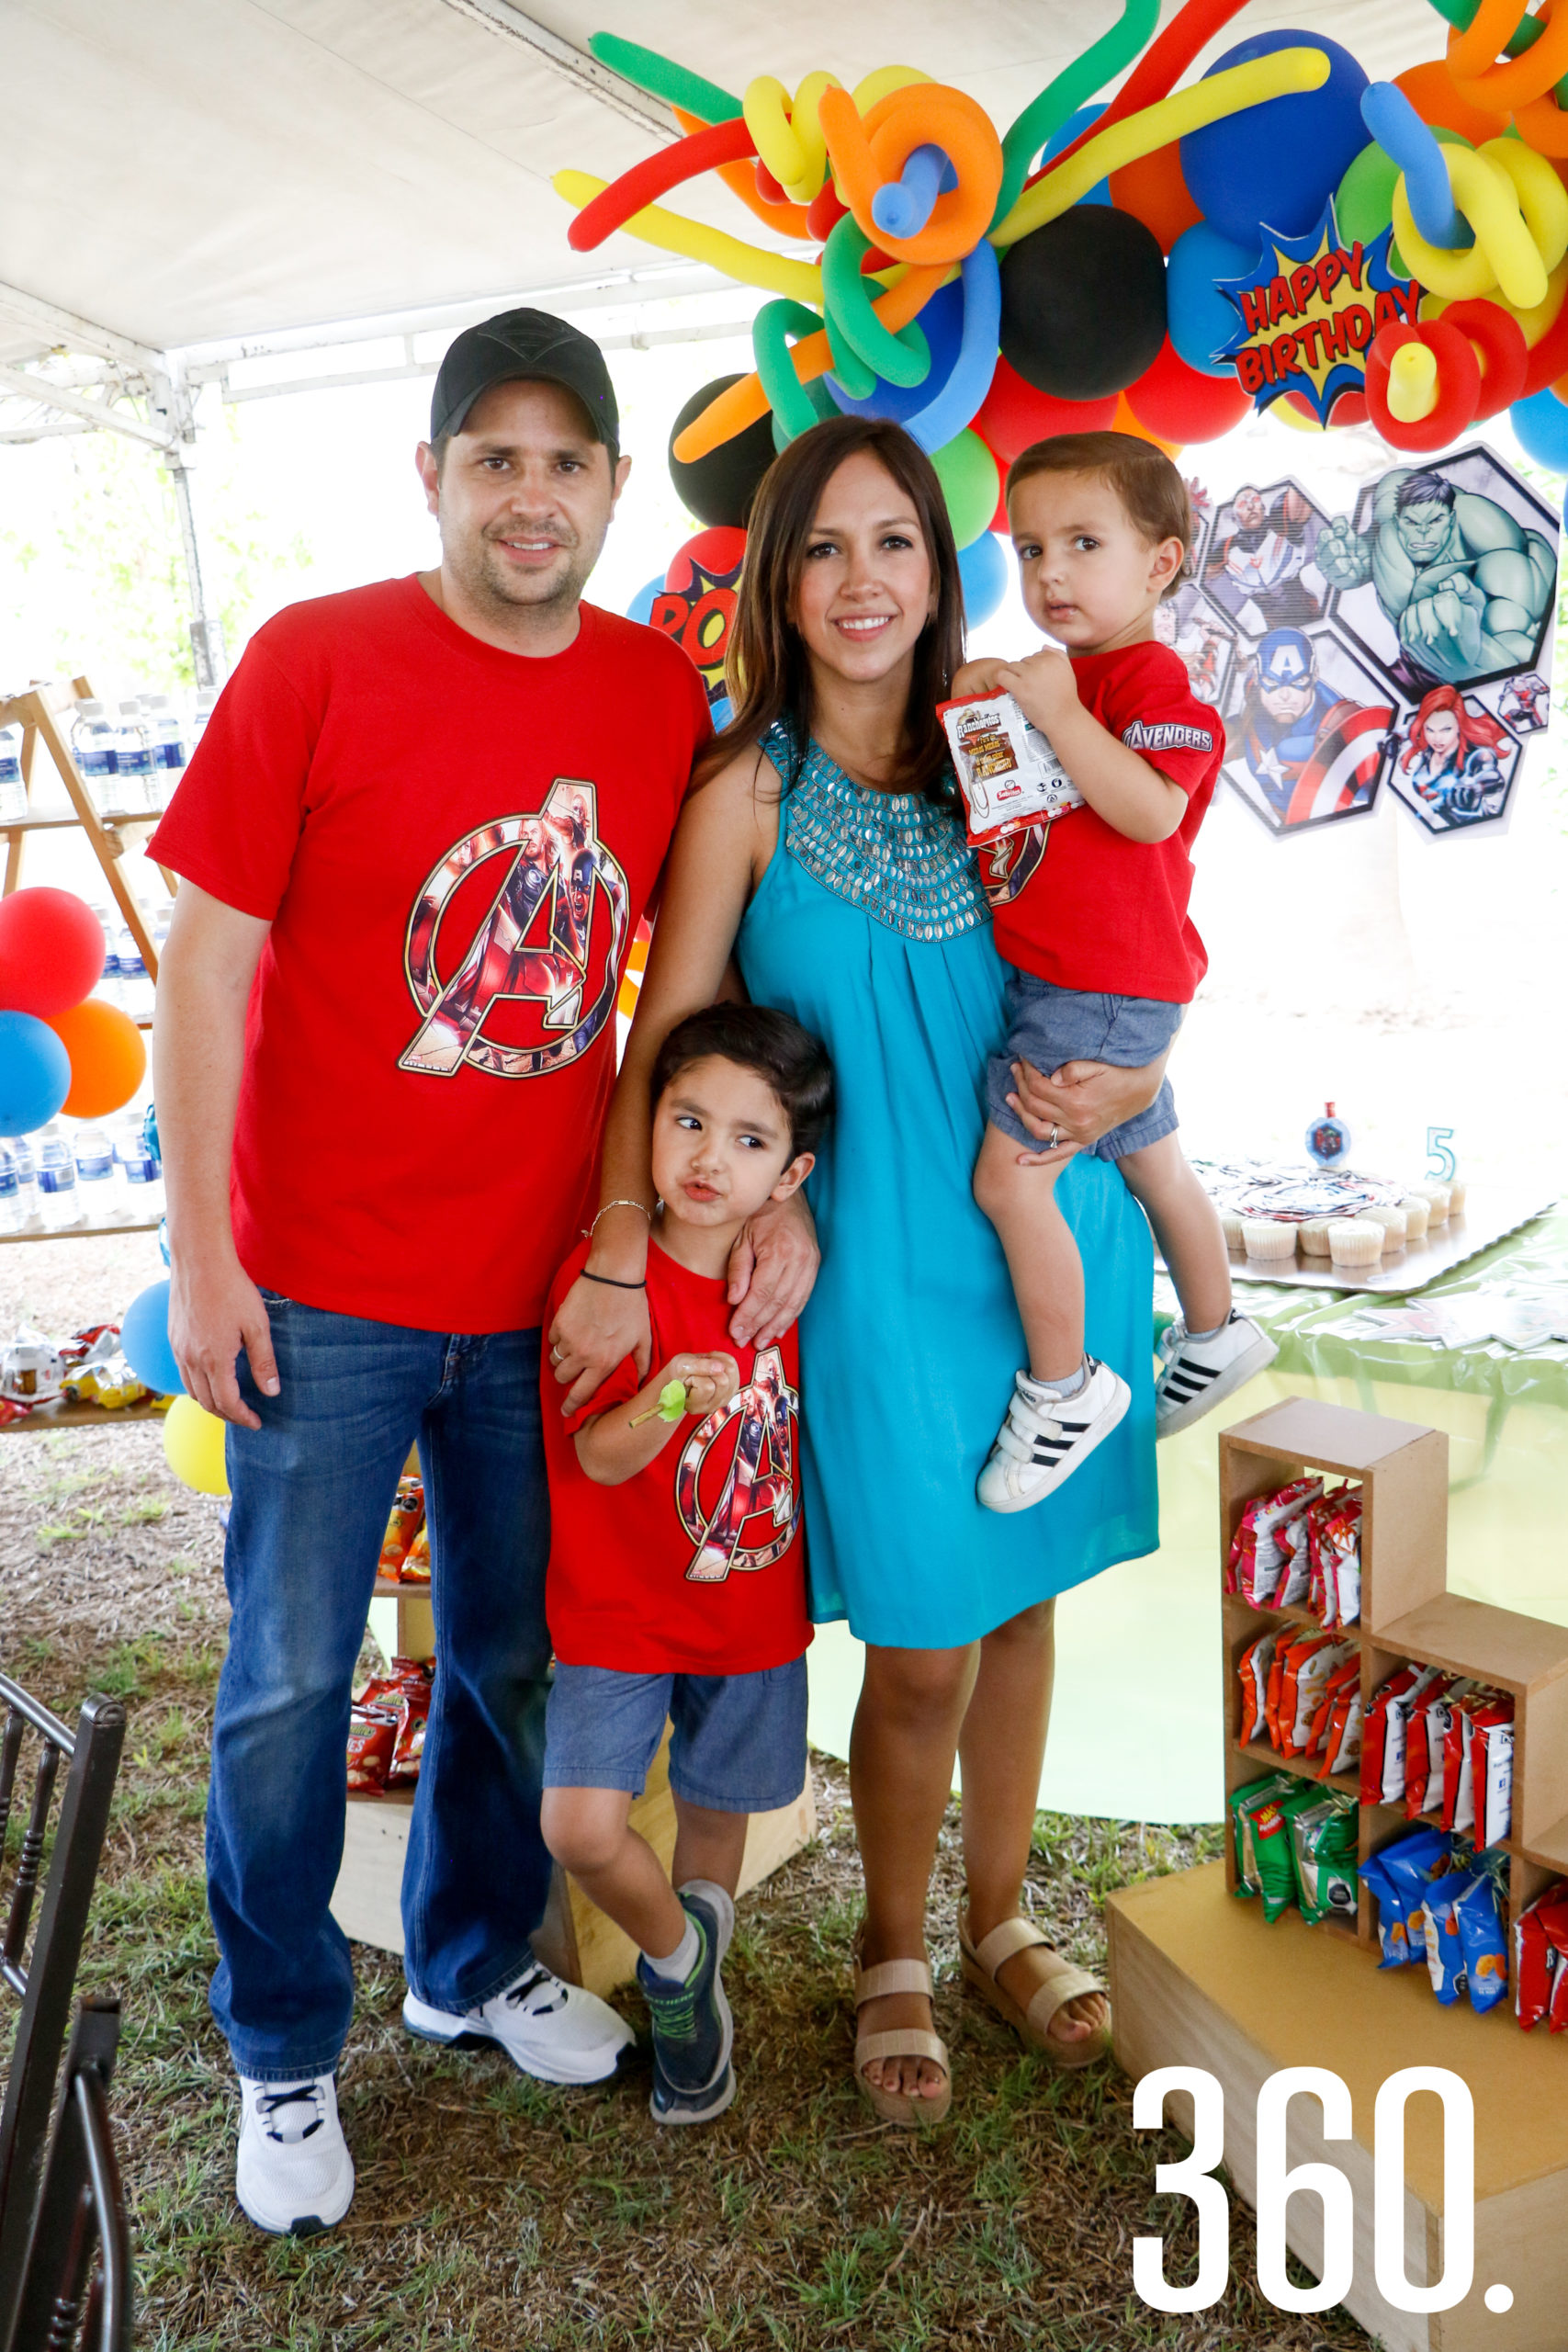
{"x":1079,"y":904}
{"x":697,"y":1565}
{"x":454,"y":845}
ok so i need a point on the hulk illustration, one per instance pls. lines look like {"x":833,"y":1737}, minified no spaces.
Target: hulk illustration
{"x":1463,"y":584}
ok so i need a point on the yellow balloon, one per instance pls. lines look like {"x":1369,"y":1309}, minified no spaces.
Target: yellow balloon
{"x":193,"y":1447}
{"x":750,"y":265}
{"x":1128,"y":142}
{"x":1504,"y":251}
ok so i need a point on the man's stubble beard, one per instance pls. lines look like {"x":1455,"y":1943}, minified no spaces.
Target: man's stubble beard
{"x":480,"y":575}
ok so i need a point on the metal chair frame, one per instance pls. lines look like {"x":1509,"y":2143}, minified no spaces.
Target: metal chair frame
{"x":46,"y":1981}
{"x":76,"y":2291}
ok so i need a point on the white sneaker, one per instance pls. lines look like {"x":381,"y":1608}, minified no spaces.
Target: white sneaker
{"x":294,"y":2174}
{"x":554,"y":2030}
{"x":1198,"y":1375}
{"x":1045,"y":1437}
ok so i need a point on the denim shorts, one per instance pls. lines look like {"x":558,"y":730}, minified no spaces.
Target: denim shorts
{"x":1048,"y":1027}
{"x":737,"y":1743}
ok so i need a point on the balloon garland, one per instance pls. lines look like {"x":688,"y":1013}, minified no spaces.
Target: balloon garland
{"x":1139,"y":260}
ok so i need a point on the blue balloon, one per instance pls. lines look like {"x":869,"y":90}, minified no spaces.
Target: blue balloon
{"x":1073,"y":127}
{"x":1276,"y":164}
{"x":35,"y":1073}
{"x":942,"y":320}
{"x":969,"y":378}
{"x":982,"y":568}
{"x":1541,"y":426}
{"x":641,"y":606}
{"x":144,"y":1340}
{"x":1199,"y":318}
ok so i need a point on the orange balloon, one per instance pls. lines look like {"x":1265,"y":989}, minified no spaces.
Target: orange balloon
{"x":108,"y":1060}
{"x":1125,"y":421}
{"x":1154,"y":191}
{"x":1431,"y":92}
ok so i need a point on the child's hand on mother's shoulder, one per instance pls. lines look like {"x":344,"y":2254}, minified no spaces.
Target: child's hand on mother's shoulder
{"x":1042,"y":686}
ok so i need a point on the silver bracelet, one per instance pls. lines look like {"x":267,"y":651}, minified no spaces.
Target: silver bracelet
{"x":620,"y":1204}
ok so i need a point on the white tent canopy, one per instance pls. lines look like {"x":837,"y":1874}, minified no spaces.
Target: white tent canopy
{"x":185,"y":171}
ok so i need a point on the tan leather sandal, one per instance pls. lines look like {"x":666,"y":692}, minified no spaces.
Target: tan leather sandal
{"x":898,"y":2041}
{"x":1063,"y":1982}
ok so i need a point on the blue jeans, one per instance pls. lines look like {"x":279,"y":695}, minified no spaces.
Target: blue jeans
{"x":311,"y":1491}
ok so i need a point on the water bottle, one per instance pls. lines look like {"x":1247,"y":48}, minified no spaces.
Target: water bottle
{"x":13,"y":791}
{"x":96,"y":1191}
{"x":93,"y":748}
{"x":168,"y":746}
{"x":10,"y":1194}
{"x":107,"y":988}
{"x":21,"y":1151}
{"x":134,"y":789}
{"x":57,"y":1204}
{"x":135,"y":986}
{"x":142,"y":1172}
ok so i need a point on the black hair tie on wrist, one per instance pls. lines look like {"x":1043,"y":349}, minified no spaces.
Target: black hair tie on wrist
{"x":610,"y":1282}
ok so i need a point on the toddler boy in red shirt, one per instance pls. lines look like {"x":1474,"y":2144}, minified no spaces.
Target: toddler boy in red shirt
{"x":1091,"y":912}
{"x":677,"y":1579}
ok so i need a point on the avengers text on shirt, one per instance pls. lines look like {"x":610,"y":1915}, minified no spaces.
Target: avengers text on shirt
{"x":527,"y":918}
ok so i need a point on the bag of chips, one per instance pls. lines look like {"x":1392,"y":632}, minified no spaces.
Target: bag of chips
{"x":1252,"y":1668}
{"x":416,"y":1563}
{"x":1273,"y":1785}
{"x":1383,"y":1744}
{"x":373,"y":1731}
{"x":1323,"y":1837}
{"x":1317,"y":1663}
{"x":1425,"y":1736}
{"x":1398,"y":1876}
{"x":1540,"y":1960}
{"x":1480,"y":1910}
{"x":1270,"y":1818}
{"x":1445,"y":1957}
{"x":1495,"y":1780}
{"x":1258,"y":1557}
{"x":412,"y":1718}
{"x":1339,"y":1555}
{"x":407,"y":1519}
{"x":1344,"y":1680}
{"x":1342,"y":1742}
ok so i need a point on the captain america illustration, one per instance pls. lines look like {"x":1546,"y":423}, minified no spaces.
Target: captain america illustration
{"x":1311,"y":753}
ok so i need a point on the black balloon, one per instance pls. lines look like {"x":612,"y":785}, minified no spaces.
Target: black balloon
{"x":1083,"y":303}
{"x":718,"y":488}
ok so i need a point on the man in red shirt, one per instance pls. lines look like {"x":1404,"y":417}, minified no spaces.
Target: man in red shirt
{"x":421,"y":827}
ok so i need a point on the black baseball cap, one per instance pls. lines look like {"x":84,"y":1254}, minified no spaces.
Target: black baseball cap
{"x":520,"y":343}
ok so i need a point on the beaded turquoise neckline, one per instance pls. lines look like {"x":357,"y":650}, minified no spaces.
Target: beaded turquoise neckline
{"x":895,"y":855}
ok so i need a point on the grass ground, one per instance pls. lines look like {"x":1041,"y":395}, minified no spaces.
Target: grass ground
{"x":496,"y":2215}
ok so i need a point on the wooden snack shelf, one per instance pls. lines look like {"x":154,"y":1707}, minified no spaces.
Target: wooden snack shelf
{"x":1407,"y":1615}
{"x":58,"y":1416}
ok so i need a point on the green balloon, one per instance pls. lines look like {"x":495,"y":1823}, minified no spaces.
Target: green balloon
{"x":1363,"y":202}
{"x":970,"y":483}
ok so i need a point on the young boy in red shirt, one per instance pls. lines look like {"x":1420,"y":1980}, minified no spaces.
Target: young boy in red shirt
{"x":676,"y":1577}
{"x":1091,"y":912}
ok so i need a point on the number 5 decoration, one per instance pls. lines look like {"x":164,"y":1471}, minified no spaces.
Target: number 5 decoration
{"x":1442,"y":1166}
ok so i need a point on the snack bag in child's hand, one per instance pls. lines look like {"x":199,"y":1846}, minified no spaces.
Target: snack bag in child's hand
{"x":1324,"y":1839}
{"x":1008,"y":772}
{"x":1252,"y":1667}
{"x":1273,"y":1785}
{"x":1479,"y":1911}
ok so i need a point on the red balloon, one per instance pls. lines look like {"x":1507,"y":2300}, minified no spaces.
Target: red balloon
{"x":717,"y":551}
{"x":52,"y":952}
{"x":1458,"y":384}
{"x":1013,"y":413}
{"x":1179,"y":404}
{"x":1498,"y":341}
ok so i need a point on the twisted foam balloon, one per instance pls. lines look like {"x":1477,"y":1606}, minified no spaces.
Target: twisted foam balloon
{"x":655,"y":175}
{"x":1275,"y":75}
{"x":1073,"y":87}
{"x":661,"y":77}
{"x":1413,"y":145}
{"x":1517,"y":208}
{"x":870,"y":152}
{"x":788,"y":132}
{"x":795,"y":408}
{"x":950,"y":409}
{"x":672,"y":232}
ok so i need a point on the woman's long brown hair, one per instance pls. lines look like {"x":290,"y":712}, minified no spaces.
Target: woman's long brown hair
{"x":768,"y":671}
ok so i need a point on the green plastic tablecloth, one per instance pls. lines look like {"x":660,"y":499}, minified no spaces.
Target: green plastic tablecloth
{"x":1135,"y":1729}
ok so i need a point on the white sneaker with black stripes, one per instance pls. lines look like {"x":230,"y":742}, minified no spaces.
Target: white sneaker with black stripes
{"x":1046,"y":1436}
{"x":1198,"y":1375}
{"x":293,"y":2175}
{"x":550,"y":2029}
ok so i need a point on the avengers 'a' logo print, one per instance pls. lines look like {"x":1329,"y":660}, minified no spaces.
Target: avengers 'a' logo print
{"x":759,"y":1482}
{"x":534,"y":943}
{"x":1007,"y":863}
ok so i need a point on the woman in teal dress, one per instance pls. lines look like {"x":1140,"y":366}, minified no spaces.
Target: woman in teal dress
{"x":831,"y":864}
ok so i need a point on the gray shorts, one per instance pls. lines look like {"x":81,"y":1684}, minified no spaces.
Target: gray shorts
{"x":737,"y":1743}
{"x":1048,"y":1027}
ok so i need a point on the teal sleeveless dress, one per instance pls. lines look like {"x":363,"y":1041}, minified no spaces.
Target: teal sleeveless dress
{"x":870,"y":926}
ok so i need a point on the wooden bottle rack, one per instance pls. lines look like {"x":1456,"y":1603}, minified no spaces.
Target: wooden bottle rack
{"x":1407,"y":1613}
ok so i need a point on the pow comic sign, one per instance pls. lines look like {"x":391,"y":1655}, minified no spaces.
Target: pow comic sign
{"x":513,"y":948}
{"x":735,"y":1484}
{"x":696,"y":605}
